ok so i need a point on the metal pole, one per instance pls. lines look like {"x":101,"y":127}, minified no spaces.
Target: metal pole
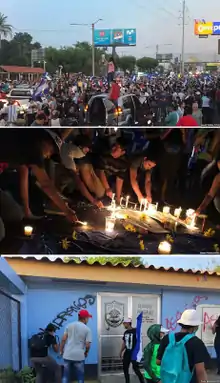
{"x":157,"y":50}
{"x":93,"y":49}
{"x":183,"y":38}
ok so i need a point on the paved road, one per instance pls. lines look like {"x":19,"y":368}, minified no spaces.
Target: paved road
{"x":212,"y":378}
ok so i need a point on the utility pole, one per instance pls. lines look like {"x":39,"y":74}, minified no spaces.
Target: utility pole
{"x":93,"y":49}
{"x":183,"y":37}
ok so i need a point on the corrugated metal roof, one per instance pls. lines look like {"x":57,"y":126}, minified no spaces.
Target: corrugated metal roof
{"x":21,"y":69}
{"x":126,"y":263}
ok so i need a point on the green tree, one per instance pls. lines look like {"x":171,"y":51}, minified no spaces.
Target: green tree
{"x":103,"y":260}
{"x":18,"y":50}
{"x":127,"y":63}
{"x":5,"y":28}
{"x":146,"y":63}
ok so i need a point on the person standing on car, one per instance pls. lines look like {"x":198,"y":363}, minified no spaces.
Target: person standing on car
{"x":114,"y":92}
{"x":127,"y":348}
{"x":75,"y":347}
{"x":39,"y":346}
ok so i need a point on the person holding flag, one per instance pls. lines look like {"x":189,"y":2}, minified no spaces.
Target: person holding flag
{"x":131,"y":350}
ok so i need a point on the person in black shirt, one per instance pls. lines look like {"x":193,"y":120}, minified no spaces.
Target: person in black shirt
{"x":113,"y":162}
{"x":197,"y":353}
{"x":216,"y":332}
{"x":140,"y":170}
{"x":27,"y":148}
{"x":128,"y":345}
{"x":40,"y":358}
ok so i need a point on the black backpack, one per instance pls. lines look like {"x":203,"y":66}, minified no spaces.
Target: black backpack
{"x":38,"y":341}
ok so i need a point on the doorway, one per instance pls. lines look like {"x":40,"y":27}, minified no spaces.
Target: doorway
{"x":112,"y":310}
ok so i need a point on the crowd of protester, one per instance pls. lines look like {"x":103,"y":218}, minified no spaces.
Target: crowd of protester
{"x":163,"y":165}
{"x":167,"y":100}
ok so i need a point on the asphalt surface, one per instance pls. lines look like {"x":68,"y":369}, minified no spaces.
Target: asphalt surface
{"x":212,"y":378}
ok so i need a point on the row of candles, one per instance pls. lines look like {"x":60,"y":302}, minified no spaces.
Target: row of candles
{"x":153,"y":208}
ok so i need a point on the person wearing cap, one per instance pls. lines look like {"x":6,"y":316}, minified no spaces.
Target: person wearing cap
{"x":152,"y":371}
{"x":26,"y":149}
{"x":196,"y":351}
{"x":76,"y":169}
{"x":75,"y":346}
{"x":140,"y":176}
{"x":39,"y":356}
{"x":128,"y":345}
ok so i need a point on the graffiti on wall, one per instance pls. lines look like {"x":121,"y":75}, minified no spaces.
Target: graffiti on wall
{"x":208,"y":320}
{"x":171,"y":322}
{"x":75,"y":307}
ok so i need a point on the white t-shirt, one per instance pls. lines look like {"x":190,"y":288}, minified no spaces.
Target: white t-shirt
{"x":68,"y":153}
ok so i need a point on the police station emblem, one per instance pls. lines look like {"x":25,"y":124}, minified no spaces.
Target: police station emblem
{"x":114,"y":314}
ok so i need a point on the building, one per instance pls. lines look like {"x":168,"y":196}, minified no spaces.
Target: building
{"x":12,"y":72}
{"x":37,"y":290}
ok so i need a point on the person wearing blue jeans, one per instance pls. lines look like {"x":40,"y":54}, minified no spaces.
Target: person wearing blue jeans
{"x":75,"y":346}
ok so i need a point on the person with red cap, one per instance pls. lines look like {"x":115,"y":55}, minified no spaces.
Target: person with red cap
{"x":75,"y":346}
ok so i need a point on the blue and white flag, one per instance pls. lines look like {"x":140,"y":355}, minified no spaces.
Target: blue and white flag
{"x":46,"y":76}
{"x":138,"y":350}
{"x":42,"y":89}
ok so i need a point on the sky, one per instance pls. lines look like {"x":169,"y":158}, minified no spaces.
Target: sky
{"x":157,"y":22}
{"x":185,"y":262}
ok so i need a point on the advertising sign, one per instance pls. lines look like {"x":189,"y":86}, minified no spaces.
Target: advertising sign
{"x":202,"y":28}
{"x":164,"y":56}
{"x":115,"y":37}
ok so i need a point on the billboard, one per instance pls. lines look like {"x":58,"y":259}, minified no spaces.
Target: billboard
{"x":206,"y":28}
{"x":115,"y":37}
{"x":164,"y":56}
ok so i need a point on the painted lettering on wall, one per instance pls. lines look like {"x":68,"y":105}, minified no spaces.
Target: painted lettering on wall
{"x":75,"y":307}
{"x":208,"y":321}
{"x":171,"y":322}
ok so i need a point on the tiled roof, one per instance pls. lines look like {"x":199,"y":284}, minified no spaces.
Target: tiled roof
{"x":128,"y":264}
{"x":21,"y":69}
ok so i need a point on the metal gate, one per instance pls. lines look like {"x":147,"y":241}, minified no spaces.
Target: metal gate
{"x":10,"y":332}
{"x":112,"y":309}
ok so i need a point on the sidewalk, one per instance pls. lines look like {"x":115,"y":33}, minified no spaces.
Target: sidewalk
{"x":212,"y":378}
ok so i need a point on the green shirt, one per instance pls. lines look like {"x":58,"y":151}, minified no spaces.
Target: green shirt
{"x":154,"y":367}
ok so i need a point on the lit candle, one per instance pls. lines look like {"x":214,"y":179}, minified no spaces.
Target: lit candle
{"x":28,"y":230}
{"x":190,"y":212}
{"x":121,"y":199}
{"x":177,"y":212}
{"x":141,"y":204}
{"x":145,"y":204}
{"x":164,"y":248}
{"x":109,"y":224}
{"x":166,"y":209}
{"x":135,"y":206}
{"x":113,"y":196}
{"x":156,"y":206}
{"x":127,"y":200}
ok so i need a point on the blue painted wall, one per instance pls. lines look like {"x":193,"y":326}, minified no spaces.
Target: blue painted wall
{"x":175,"y":302}
{"x":43,"y":306}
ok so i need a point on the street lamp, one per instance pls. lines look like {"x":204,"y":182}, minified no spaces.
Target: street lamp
{"x":93,"y":42}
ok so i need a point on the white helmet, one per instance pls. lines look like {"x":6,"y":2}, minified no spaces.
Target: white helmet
{"x":190,"y":318}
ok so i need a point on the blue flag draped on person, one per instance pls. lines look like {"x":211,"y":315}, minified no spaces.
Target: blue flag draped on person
{"x":138,"y":350}
{"x":43,"y":88}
